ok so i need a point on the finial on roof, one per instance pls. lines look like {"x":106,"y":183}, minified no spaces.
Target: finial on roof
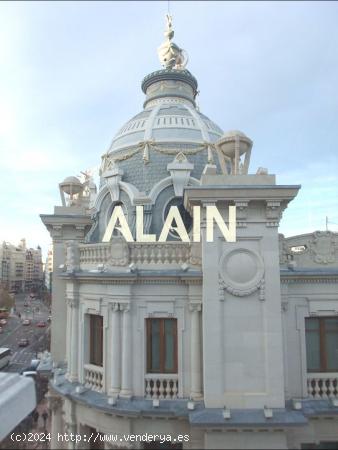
{"x":171,"y":55}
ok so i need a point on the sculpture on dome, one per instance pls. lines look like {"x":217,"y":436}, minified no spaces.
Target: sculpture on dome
{"x":171,"y":55}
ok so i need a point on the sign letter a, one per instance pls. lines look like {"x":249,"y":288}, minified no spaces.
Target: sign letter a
{"x":174,"y":214}
{"x":118,"y":215}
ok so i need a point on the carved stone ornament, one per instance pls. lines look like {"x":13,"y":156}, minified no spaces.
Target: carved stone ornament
{"x":284,"y":254}
{"x":195,"y":254}
{"x":125,"y":307}
{"x":241,"y":213}
{"x":195,"y":307}
{"x":322,"y":247}
{"x":119,"y":252}
{"x":274,"y":212}
{"x":180,"y":170}
{"x":241,"y":272}
{"x":171,"y":55}
{"x":113,"y":178}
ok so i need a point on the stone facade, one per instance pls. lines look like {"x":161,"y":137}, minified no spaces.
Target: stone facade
{"x":240,"y":378}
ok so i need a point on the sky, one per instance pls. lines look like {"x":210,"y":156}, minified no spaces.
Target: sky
{"x":70,"y":77}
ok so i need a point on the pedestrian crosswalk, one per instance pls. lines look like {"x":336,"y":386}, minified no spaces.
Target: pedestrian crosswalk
{"x":22,"y":358}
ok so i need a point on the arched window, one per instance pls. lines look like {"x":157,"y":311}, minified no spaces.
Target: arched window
{"x":186,"y":217}
{"x":110,"y":212}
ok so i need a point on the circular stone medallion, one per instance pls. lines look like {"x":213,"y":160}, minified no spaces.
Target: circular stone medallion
{"x":241,"y":271}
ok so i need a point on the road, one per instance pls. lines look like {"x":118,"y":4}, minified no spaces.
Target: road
{"x":13,"y":331}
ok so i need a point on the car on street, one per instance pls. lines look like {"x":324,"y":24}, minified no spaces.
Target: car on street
{"x":3,"y":313}
{"x":23,"y":342}
{"x":49,"y":319}
{"x":26,"y":322}
{"x":26,"y":303}
{"x":41,"y":324}
{"x":3,"y":322}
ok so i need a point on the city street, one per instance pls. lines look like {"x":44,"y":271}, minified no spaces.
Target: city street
{"x":14,"y":330}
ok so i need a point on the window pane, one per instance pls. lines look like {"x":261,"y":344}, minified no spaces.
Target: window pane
{"x":96,"y":340}
{"x":331,"y":346}
{"x":312,"y":323}
{"x":169,"y":332}
{"x":312,"y":351}
{"x":331,"y":324}
{"x":155,"y":345}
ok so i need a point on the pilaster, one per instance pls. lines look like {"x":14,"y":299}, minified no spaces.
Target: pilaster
{"x":126,"y":385}
{"x":195,"y":352}
{"x":115,"y":385}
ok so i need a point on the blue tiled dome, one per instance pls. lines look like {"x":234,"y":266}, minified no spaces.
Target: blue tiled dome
{"x":171,"y":122}
{"x":144,"y":149}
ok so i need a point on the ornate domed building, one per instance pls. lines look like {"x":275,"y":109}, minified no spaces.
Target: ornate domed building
{"x":196,"y":344}
{"x":158,"y":152}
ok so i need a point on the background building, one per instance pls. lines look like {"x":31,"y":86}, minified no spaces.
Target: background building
{"x":21,"y":267}
{"x":49,"y":268}
{"x":237,"y":341}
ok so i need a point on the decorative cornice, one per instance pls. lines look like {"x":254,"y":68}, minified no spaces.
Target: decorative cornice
{"x":308,"y":279}
{"x":169,"y":74}
{"x":111,"y":279}
{"x":56,"y":223}
{"x":125,"y":307}
{"x":115,"y":307}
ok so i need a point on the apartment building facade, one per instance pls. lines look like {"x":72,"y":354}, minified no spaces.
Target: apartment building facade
{"x":21,"y":267}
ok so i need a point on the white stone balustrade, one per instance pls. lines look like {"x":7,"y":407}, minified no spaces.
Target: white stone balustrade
{"x":94,"y":253}
{"x":165,"y":253}
{"x":322,"y":385}
{"x":162,"y":386}
{"x":138,"y":253}
{"x":93,"y":377}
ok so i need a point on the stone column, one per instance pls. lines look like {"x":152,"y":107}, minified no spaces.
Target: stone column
{"x":195,"y":352}
{"x":73,"y":305}
{"x":126,"y":388}
{"x":55,"y":405}
{"x":115,"y":385}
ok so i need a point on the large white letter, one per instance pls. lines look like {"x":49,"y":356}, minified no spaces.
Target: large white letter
{"x":180,"y":229}
{"x":196,"y":231}
{"x":228,"y":233}
{"x":123,"y":228}
{"x":140,"y":237}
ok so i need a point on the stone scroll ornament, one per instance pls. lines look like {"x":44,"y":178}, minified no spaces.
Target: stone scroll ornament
{"x":241,"y":273}
{"x":323,"y":247}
